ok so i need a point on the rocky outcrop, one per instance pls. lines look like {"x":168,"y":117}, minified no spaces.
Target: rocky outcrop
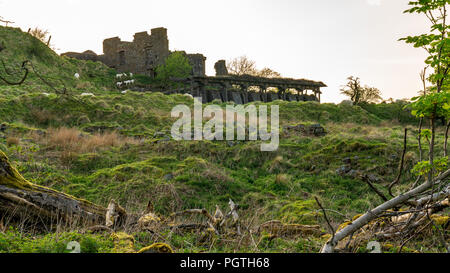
{"x":310,"y":130}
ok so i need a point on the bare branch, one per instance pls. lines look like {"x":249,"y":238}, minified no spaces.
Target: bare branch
{"x":24,"y":77}
{"x":446,"y":139}
{"x":376,"y":212}
{"x":366,"y":179}
{"x":326,"y":218}
{"x":400,"y":169}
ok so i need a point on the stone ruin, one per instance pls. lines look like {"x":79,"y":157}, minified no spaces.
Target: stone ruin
{"x":242,"y":89}
{"x":148,"y":51}
{"x":141,"y":56}
{"x":221,"y":68}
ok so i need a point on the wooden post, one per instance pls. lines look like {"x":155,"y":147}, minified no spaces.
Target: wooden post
{"x":202,"y":91}
{"x":225,"y":92}
{"x":282,"y":93}
{"x":244,"y":93}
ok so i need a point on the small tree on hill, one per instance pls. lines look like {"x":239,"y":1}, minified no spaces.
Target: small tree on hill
{"x":268,"y":73}
{"x":40,"y":34}
{"x":176,"y":66}
{"x":358,"y":93}
{"x":241,"y":66}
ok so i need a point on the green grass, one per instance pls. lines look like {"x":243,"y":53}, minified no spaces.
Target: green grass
{"x":175,"y":175}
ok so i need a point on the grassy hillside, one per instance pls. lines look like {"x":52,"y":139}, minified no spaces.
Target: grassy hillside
{"x":116,"y":146}
{"x":20,"y":46}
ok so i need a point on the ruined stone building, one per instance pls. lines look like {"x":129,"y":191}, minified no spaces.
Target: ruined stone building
{"x":147,"y":51}
{"x":141,"y":56}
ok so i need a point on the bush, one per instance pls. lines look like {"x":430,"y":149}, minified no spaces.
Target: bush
{"x":176,"y":66}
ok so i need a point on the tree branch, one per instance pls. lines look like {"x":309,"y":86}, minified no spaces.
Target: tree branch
{"x":375,"y":213}
{"x":400,"y":169}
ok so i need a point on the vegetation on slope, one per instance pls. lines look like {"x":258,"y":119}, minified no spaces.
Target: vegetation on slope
{"x":115,"y":145}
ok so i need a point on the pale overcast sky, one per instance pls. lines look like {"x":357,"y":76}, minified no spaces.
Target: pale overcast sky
{"x":324,"y":40}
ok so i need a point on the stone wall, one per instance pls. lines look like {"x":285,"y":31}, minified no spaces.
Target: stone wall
{"x":198,"y":64}
{"x":221,"y":68}
{"x":141,"y":56}
{"x":88,"y":55}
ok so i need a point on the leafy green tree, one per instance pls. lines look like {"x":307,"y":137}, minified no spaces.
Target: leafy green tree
{"x":176,"y":66}
{"x":435,"y":103}
{"x":436,"y":43}
{"x":358,"y":93}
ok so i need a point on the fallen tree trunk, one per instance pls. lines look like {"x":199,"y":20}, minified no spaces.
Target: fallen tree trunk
{"x":376,"y":212}
{"x":27,"y":202}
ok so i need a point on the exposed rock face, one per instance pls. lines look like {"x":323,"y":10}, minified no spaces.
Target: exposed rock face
{"x":87,"y":55}
{"x":316,"y":130}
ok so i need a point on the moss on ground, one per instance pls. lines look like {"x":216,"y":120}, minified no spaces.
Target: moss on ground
{"x":190,"y":174}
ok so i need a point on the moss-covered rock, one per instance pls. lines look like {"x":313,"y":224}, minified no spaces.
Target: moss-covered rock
{"x":157,"y":248}
{"x":123,"y":243}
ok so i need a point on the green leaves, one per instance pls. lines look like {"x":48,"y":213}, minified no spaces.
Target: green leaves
{"x":176,"y":66}
{"x":426,"y":133}
{"x":436,"y":42}
{"x":431,"y":105}
{"x":421,"y":40}
{"x":424,"y":167}
{"x":441,"y":164}
{"x":424,"y":6}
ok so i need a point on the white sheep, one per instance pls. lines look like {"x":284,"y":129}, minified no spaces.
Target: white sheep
{"x":346,"y":102}
{"x":77,"y":76}
{"x":124,"y":92}
{"x":87,"y":94}
{"x":119,"y":84}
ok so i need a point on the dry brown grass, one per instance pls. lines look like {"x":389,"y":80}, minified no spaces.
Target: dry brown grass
{"x":42,"y":116}
{"x":71,"y":140}
{"x":10,"y":141}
